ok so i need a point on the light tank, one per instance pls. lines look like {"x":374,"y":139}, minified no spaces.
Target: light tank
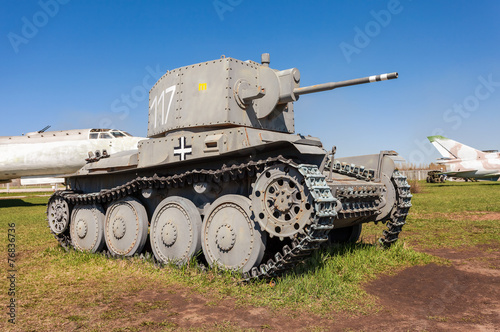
{"x":223,"y":172}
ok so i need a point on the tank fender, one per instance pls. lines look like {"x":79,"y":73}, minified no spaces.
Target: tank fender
{"x":309,"y":149}
{"x":121,"y":160}
{"x":383,"y":162}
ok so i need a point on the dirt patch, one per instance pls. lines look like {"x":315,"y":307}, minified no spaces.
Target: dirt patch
{"x":161,"y":308}
{"x":483,"y":259}
{"x":191,"y":310}
{"x":481,"y":216}
{"x":12,"y":197}
{"x":464,"y":296}
{"x":467,"y":215}
{"x":434,"y":297}
{"x":20,"y":197}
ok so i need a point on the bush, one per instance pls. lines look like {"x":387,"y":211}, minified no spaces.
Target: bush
{"x":416,"y":187}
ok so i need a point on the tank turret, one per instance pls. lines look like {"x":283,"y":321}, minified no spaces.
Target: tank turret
{"x":230,"y":92}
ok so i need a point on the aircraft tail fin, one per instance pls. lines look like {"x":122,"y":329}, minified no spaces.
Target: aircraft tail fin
{"x":451,"y":149}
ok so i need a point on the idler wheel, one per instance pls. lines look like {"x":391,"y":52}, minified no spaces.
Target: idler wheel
{"x":230,"y":237}
{"x":87,"y":228}
{"x":175,"y":230}
{"x":58,"y":215}
{"x":126,"y":227}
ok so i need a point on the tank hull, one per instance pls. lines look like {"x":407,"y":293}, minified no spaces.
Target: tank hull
{"x":357,"y":194}
{"x":223,"y":173}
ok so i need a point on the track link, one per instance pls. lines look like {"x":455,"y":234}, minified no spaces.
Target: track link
{"x":398,"y":217}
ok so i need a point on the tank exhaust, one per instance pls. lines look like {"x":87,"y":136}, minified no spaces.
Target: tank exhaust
{"x":265,"y":59}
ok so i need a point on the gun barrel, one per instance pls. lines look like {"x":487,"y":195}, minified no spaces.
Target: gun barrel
{"x":334,"y":85}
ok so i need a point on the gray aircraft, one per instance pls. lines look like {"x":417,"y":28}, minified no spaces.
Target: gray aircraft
{"x":44,"y":155}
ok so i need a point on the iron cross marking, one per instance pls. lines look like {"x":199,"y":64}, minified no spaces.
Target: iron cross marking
{"x":183,"y":150}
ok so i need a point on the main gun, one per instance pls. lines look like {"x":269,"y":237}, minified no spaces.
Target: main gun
{"x":341,"y":84}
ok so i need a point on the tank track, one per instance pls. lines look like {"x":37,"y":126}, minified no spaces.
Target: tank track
{"x":63,"y":239}
{"x":359,"y":201}
{"x":359,"y":172}
{"x":398,"y":217}
{"x":290,"y":255}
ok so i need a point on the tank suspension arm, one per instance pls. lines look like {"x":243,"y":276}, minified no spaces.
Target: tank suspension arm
{"x":334,"y":85}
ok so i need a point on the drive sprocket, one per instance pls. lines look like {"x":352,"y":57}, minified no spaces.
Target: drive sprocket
{"x":281,"y":203}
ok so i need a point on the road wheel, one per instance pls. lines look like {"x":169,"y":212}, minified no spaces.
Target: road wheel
{"x":230,"y":237}
{"x":126,"y":227}
{"x":175,"y":230}
{"x":87,"y":228}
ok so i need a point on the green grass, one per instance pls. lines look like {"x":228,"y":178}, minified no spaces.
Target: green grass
{"x":449,"y":215}
{"x":60,"y":290}
{"x":457,"y":197}
{"x":453,"y":214}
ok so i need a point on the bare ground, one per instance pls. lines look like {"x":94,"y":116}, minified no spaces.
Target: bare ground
{"x":467,"y":215}
{"x":464,"y":296}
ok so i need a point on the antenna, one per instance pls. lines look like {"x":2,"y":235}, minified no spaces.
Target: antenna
{"x":44,"y":129}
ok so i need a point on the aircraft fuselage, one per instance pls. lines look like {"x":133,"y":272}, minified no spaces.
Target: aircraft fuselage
{"x":57,"y":153}
{"x":463,"y":161}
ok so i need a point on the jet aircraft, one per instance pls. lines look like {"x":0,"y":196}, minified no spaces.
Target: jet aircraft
{"x":462,"y":161}
{"x":41,"y":154}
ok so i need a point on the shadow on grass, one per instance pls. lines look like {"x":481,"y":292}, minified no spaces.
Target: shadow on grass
{"x":16,"y":202}
{"x":318,"y":258}
{"x":469,"y":183}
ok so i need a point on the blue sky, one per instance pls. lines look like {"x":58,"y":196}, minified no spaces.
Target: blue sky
{"x":81,"y":64}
